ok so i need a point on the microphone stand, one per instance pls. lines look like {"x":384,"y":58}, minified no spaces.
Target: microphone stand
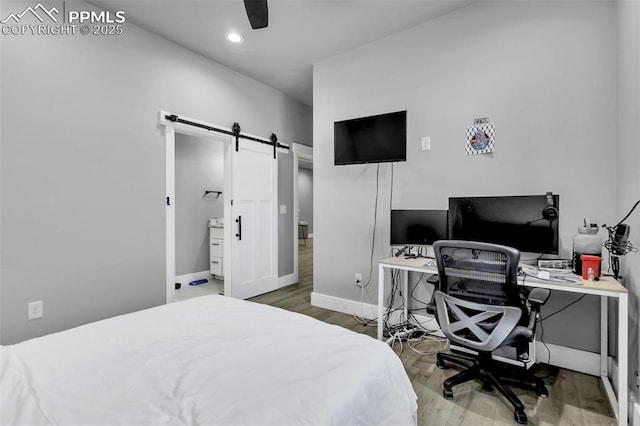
{"x":615,"y":265}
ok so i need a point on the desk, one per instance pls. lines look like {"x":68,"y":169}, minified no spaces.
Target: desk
{"x":606,"y":288}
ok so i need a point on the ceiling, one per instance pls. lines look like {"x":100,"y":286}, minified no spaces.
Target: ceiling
{"x":300,"y":32}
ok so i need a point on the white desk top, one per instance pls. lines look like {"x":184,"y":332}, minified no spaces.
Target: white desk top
{"x":605,"y":286}
{"x":417,"y":263}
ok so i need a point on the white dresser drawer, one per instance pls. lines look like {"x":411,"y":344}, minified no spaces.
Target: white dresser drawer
{"x":216,"y":233}
{"x":215,"y":267}
{"x":215,"y":249}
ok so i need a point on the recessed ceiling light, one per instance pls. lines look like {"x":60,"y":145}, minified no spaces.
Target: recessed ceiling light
{"x":234,"y":37}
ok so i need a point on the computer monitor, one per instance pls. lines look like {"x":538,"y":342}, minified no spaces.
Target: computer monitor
{"x":523,"y":222}
{"x":418,"y":227}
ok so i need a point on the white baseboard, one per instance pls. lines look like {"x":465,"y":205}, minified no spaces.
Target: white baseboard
{"x":613,"y":373}
{"x":635,"y":414}
{"x":365,"y":310}
{"x":187,"y":278}
{"x":287,"y":280}
{"x":572,"y":359}
{"x":561,"y":356}
{"x":346,"y":306}
{"x":310,"y":235}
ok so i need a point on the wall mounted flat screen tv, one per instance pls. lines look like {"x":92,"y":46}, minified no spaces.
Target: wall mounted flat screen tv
{"x":375,"y":139}
{"x":515,"y":221}
{"x":418,"y":227}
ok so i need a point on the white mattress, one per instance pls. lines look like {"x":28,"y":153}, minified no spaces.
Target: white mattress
{"x":209,"y":360}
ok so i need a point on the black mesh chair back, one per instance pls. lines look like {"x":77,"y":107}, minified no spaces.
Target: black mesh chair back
{"x":478,"y":272}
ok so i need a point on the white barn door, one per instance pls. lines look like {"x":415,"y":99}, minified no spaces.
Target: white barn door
{"x":254,"y":220}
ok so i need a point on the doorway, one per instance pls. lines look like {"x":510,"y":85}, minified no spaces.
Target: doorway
{"x":199,"y":216}
{"x":303,"y":187}
{"x":250,"y":210}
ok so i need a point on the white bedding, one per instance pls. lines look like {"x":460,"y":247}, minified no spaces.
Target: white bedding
{"x":209,"y":360}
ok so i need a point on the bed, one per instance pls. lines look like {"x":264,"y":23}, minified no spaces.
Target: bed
{"x":208,"y":360}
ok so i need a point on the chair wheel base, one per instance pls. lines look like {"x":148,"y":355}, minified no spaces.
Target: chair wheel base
{"x":447,"y":393}
{"x":542,"y":392}
{"x":521,"y":417}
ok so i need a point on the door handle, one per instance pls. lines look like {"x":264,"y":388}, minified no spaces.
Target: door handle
{"x":239,"y":222}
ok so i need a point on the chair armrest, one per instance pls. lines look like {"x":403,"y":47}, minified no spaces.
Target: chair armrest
{"x":431,"y":306}
{"x":538,"y":296}
{"x":526,"y":332}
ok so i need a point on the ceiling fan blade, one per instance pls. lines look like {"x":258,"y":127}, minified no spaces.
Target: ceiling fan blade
{"x":257,"y":12}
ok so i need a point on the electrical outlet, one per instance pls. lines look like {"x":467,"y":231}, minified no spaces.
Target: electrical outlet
{"x":358,"y":279}
{"x":35,"y":310}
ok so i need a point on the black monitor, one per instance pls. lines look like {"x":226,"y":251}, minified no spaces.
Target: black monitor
{"x":528,"y":223}
{"x":418,"y":227}
{"x":375,"y":139}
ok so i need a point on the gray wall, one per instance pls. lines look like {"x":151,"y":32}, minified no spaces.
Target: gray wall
{"x":199,"y":167}
{"x":628,"y":172}
{"x":82,"y":175}
{"x":545,"y":75}
{"x":285,"y":221}
{"x":303,"y":119}
{"x":305,"y":195}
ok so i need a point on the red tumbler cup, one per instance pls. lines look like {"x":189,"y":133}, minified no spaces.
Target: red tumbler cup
{"x":590,"y":262}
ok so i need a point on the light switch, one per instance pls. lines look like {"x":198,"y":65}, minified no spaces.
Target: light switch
{"x":425,"y":143}
{"x":283,"y":209}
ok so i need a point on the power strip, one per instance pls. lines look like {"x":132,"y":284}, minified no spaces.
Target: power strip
{"x":402,"y":335}
{"x":555,"y":264}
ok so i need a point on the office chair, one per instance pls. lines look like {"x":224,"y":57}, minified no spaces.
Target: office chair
{"x":303,"y":229}
{"x":480,"y":307}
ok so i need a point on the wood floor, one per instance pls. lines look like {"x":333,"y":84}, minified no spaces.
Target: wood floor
{"x":575,"y":398}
